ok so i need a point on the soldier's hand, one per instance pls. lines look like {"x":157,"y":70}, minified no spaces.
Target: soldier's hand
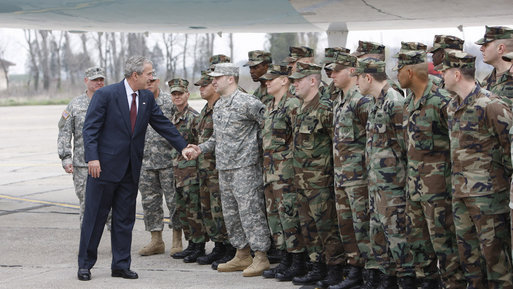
{"x":94,"y":168}
{"x":68,"y":168}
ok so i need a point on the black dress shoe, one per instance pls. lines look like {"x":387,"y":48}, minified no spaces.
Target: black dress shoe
{"x":124,"y":273}
{"x":84,"y":274}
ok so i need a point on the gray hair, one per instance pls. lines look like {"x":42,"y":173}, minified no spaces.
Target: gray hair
{"x":135,"y":64}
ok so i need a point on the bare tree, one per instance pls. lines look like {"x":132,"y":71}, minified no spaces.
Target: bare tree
{"x":231,"y":45}
{"x":34,"y":71}
{"x":184,"y":63}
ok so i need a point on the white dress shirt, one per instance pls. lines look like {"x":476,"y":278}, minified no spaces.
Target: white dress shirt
{"x":129,"y":92}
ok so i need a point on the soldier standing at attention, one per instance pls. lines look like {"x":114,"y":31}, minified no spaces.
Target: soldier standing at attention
{"x":258,"y":63}
{"x":329,"y":53}
{"x":385,"y":154}
{"x":429,"y":199}
{"x":238,"y":117}
{"x":70,"y":127}
{"x":440,"y":44}
{"x":479,"y":124}
{"x":157,"y":181}
{"x":221,"y":58}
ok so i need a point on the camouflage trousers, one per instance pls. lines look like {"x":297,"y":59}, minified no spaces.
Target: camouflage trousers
{"x":482,"y":231}
{"x":352,"y":205}
{"x":211,"y":207}
{"x":188,"y":209}
{"x":80,"y":181}
{"x":153,"y":186}
{"x":388,"y":233}
{"x":242,"y":197}
{"x":317,"y":215}
{"x":283,"y":216}
{"x":432,"y":239}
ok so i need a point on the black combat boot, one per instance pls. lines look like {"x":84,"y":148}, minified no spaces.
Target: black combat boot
{"x":274,"y":255}
{"x":229,"y":253}
{"x":407,"y":282}
{"x":387,"y":282}
{"x":371,"y":278}
{"x":431,"y":283}
{"x":335,"y":275}
{"x":199,"y":250}
{"x":285,"y":263}
{"x":352,"y":280}
{"x":217,"y":253}
{"x":297,"y":268}
{"x":184,"y":253}
{"x":317,"y":273}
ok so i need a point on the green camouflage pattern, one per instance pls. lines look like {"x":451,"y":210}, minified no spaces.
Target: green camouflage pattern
{"x":178,"y":84}
{"x":501,"y":85}
{"x":188,"y":210}
{"x":258,"y":56}
{"x":261,"y":94}
{"x":304,"y":69}
{"x":368,"y":47}
{"x":205,"y":78}
{"x":369,"y":65}
{"x":218,"y":58}
{"x":297,"y":52}
{"x":410,"y":57}
{"x":446,"y":42}
{"x":329,"y":53}
{"x":185,"y":171}
{"x":456,"y":59}
{"x":410,"y":46}
{"x":495,"y":32}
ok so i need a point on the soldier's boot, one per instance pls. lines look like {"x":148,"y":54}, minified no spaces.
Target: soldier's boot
{"x":156,"y":245}
{"x":285,"y":263}
{"x":317,"y":273}
{"x":352,"y":280}
{"x":184,"y":253}
{"x":335,"y":275}
{"x":241,"y":261}
{"x":407,"y":282}
{"x":199,"y":250}
{"x":431,"y":283}
{"x":177,"y":242}
{"x":258,"y":266}
{"x":387,"y":282}
{"x":229,"y":253}
{"x":298,"y":268}
{"x":274,"y":255}
{"x":216,"y":254}
{"x":371,"y":278}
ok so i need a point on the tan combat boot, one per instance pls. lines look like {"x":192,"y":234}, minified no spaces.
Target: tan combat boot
{"x":177,"y":242}
{"x":241,"y":261}
{"x":259,"y":265}
{"x":156,"y":245}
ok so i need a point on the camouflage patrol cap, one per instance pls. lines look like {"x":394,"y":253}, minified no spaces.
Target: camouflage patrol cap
{"x":495,"y":32}
{"x":409,"y":58}
{"x":408,"y":46}
{"x":258,"y":56}
{"x":369,"y":65}
{"x":296,"y":53}
{"x":456,"y":59}
{"x":508,"y":56}
{"x":329,"y":53}
{"x":178,"y":84}
{"x":275,"y":71}
{"x":225,"y":69}
{"x":446,"y":41}
{"x":218,"y":58}
{"x":342,"y":60}
{"x":367,"y":47}
{"x":205,"y":79}
{"x":304,"y":69}
{"x":94,"y":72}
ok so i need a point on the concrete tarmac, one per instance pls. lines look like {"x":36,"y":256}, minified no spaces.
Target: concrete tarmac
{"x":39,"y":220}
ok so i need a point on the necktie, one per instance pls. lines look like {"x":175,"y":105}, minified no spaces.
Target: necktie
{"x":133,"y":111}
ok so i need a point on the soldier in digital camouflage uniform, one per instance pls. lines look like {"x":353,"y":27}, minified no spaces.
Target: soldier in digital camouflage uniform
{"x":221,"y":58}
{"x":258,"y":63}
{"x":157,"y":180}
{"x":313,"y":169}
{"x":237,"y":120}
{"x":479,"y":122}
{"x":430,"y":226}
{"x":385,"y":154}
{"x":350,"y":112}
{"x":497,"y":41}
{"x":210,"y":195}
{"x":279,"y":190}
{"x":329,"y":53}
{"x":440,"y":44}
{"x":70,"y":127}
{"x":188,"y":206}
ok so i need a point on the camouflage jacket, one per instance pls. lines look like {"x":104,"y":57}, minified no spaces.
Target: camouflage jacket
{"x":262,"y":95}
{"x":427,"y":144}
{"x":326,"y":92}
{"x":237,"y":121}
{"x":185,"y":171}
{"x":501,"y":86}
{"x":350,"y":114}
{"x":480,"y":144}
{"x":206,"y":161}
{"x":385,"y":151}
{"x":157,"y":150}
{"x":70,"y":127}
{"x":333,"y":91}
{"x":436,"y":80}
{"x":395,"y":86}
{"x":277,"y":139}
{"x":312,"y":150}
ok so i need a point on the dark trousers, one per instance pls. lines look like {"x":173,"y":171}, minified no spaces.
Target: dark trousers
{"x":101,"y":196}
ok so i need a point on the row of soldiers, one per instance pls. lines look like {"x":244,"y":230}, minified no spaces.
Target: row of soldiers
{"x":367,"y":183}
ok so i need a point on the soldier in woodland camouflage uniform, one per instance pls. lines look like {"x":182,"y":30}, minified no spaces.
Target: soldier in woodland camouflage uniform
{"x":350,"y":176}
{"x":479,"y":123}
{"x":188,"y":205}
{"x":431,"y":232}
{"x":70,"y":127}
{"x":414,"y":46}
{"x":385,"y":154}
{"x":258,"y":63}
{"x":313,"y":168}
{"x":157,"y":180}
{"x":329,"y":53}
{"x":440,"y":44}
{"x":298,"y":53}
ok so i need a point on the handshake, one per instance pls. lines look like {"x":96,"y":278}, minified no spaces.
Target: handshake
{"x":191,"y":152}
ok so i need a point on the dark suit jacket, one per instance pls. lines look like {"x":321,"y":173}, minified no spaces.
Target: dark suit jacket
{"x":108,"y":135}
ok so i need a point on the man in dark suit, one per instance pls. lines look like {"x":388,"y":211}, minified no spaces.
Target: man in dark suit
{"x":114,"y":131}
